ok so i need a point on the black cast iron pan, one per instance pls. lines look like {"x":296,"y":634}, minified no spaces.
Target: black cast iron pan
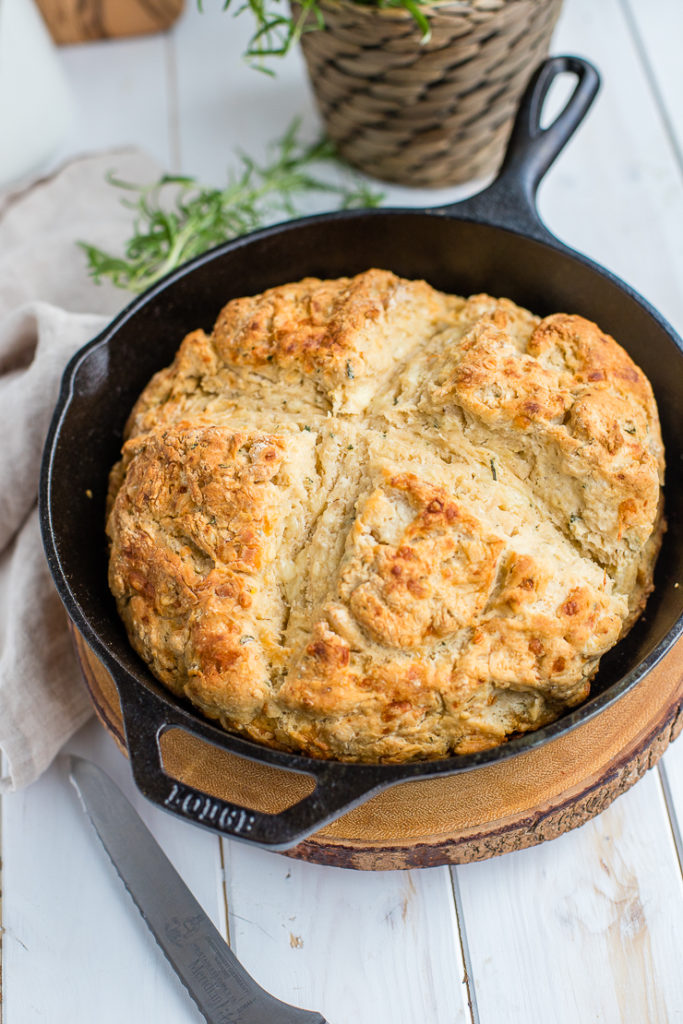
{"x":493,"y":242}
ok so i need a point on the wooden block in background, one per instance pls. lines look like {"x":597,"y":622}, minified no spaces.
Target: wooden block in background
{"x":79,"y":21}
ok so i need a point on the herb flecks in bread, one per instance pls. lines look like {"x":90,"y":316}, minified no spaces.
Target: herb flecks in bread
{"x":365,"y":520}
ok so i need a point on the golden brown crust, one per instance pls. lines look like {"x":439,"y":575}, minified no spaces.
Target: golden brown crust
{"x":432,"y":581}
{"x":190,"y":538}
{"x":368,"y":521}
{"x":341,"y":334}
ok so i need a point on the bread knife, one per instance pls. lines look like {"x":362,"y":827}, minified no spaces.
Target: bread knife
{"x":212,"y":974}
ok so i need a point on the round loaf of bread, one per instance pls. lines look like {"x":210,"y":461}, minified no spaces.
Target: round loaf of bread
{"x":369,"y":521}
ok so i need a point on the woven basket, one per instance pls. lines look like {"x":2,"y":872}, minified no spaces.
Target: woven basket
{"x":428,"y":114}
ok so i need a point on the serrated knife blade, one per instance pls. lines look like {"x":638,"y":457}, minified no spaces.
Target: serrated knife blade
{"x":212,"y":974}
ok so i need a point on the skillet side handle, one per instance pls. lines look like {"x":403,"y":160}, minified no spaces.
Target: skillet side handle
{"x":338,"y":787}
{"x":510,"y":201}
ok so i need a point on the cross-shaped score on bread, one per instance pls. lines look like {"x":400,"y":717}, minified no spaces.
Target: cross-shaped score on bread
{"x":366,"y":520}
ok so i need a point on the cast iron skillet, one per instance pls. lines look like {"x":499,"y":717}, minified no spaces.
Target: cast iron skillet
{"x":493,"y":242}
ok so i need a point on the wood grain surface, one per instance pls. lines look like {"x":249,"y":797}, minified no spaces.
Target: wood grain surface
{"x":79,"y":21}
{"x":511,"y":805}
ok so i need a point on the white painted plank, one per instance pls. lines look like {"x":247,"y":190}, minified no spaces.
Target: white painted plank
{"x":75,"y":948}
{"x":615,"y":193}
{"x":657,"y":24}
{"x":120,"y":97}
{"x":372,"y":948}
{"x":223,"y":104}
{"x":588,"y":927}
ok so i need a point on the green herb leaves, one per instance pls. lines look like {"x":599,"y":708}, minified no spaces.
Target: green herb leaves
{"x":278,"y":26}
{"x":178,"y":218}
{"x":277,"y":30}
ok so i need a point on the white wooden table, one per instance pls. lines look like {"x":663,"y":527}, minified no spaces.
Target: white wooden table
{"x":588,"y":928}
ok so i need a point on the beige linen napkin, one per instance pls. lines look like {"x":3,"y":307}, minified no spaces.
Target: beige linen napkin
{"x":49,"y":307}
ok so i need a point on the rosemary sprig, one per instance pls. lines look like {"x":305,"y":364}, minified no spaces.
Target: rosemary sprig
{"x":178,"y":218}
{"x":277,"y":29}
{"x":276,"y":33}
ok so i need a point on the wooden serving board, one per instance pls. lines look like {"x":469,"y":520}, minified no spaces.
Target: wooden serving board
{"x":526,"y":800}
{"x":80,"y":21}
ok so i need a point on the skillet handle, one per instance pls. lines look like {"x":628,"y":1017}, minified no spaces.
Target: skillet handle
{"x":510,"y":201}
{"x":338,"y":787}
